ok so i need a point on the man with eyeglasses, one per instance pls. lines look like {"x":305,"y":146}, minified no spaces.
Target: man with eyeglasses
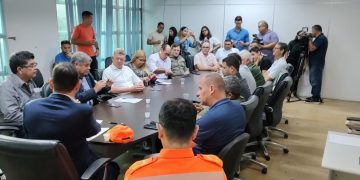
{"x":160,"y":62}
{"x":225,"y":51}
{"x":269,"y":39}
{"x":279,"y":64}
{"x":18,"y":89}
{"x":124,"y":79}
{"x":204,"y":60}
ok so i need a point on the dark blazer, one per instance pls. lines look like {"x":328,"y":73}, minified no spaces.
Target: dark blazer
{"x":57,"y":117}
{"x":85,"y":96}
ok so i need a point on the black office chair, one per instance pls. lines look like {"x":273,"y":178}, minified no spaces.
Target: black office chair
{"x":108,"y":61}
{"x":127,"y":58}
{"x":280,"y":78}
{"x":100,"y":73}
{"x":289,"y":68}
{"x":249,"y":106}
{"x":40,"y":160}
{"x":274,"y":115}
{"x":38,"y":79}
{"x":353,"y":125}
{"x":255,"y":125}
{"x":9,"y":129}
{"x":45,"y":90}
{"x":231,"y":154}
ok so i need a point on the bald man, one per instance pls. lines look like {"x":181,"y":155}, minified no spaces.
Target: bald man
{"x":204,"y":60}
{"x":224,"y":121}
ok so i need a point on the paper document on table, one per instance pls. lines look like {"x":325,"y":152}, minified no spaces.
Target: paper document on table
{"x":127,"y":100}
{"x":163,"y":81}
{"x":99,"y":121}
{"x":98,"y":134}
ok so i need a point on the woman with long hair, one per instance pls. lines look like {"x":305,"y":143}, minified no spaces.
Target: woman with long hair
{"x":172,"y":35}
{"x":138,"y":65}
{"x":206,"y":36}
{"x":186,"y":39}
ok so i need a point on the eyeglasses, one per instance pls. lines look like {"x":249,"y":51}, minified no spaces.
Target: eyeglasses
{"x":206,"y":47}
{"x":142,"y":60}
{"x":33,"y":65}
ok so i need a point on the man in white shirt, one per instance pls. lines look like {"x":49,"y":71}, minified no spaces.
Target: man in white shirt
{"x":245,"y":71}
{"x":279,"y":64}
{"x":123,"y":78}
{"x":156,"y":38}
{"x":204,"y":60}
{"x":225,"y":51}
{"x":160,"y":64}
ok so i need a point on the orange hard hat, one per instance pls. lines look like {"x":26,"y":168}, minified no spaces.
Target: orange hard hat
{"x":121,"y":134}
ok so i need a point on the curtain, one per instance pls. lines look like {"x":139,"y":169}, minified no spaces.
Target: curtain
{"x":117,"y":23}
{"x":4,"y":68}
{"x":132,"y":21}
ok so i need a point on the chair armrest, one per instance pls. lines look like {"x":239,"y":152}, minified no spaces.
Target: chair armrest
{"x":9,"y":128}
{"x":353,"y":118}
{"x":93,"y":168}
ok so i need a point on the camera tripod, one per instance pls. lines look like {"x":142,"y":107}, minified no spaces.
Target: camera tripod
{"x":300,"y":71}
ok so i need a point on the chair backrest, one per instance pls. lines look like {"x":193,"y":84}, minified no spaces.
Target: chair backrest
{"x":280,"y":78}
{"x":100,"y":72}
{"x":127,"y":58}
{"x":45,"y":90}
{"x":249,"y":106}
{"x":290,"y":68}
{"x":277,"y":97}
{"x":35,"y":159}
{"x":108,"y":61}
{"x":38,"y":79}
{"x":255,"y":124}
{"x":231,"y":154}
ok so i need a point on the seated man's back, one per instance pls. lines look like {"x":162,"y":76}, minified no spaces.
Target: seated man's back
{"x":246,"y":74}
{"x":61,"y":117}
{"x":57,"y":117}
{"x":178,"y":164}
{"x":224,"y":121}
{"x":177,"y":129}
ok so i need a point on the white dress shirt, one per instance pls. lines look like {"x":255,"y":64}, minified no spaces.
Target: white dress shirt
{"x":246,"y":74}
{"x":223,"y":53}
{"x":277,"y":67}
{"x":124,"y":77}
{"x":155,"y":62}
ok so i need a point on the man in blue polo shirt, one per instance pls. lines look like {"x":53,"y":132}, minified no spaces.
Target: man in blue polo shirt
{"x":238,"y":35}
{"x":65,"y":55}
{"x":224,"y":121}
{"x":317,"y":54}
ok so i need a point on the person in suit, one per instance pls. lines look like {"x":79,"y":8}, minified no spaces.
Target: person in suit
{"x":60,"y":116}
{"x":89,"y":88}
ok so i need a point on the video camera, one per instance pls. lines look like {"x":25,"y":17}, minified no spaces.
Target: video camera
{"x":257,"y":40}
{"x":304,"y":39}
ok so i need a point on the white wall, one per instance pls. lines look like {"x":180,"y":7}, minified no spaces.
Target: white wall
{"x":286,"y":17}
{"x":34,"y":24}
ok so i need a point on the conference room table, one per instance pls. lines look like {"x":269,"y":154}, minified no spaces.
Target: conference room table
{"x":133,"y":115}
